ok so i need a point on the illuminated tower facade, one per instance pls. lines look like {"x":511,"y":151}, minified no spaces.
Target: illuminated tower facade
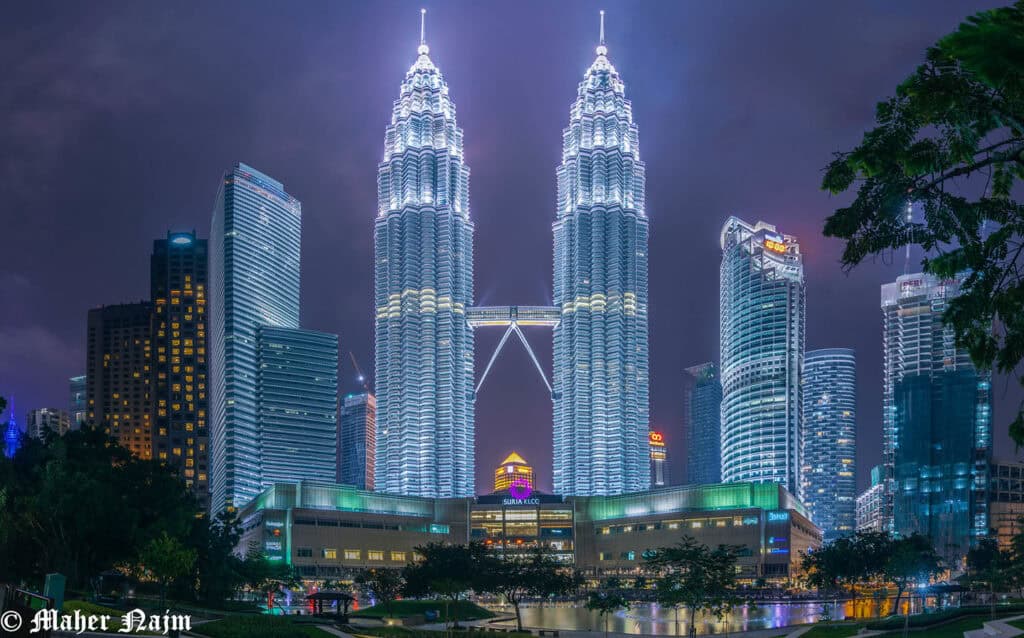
{"x":514,"y":470}
{"x":600,"y":381}
{"x":178,"y":289}
{"x":357,"y":447}
{"x":254,"y":281}
{"x":761,"y":332}
{"x":828,"y":440}
{"x":423,"y":273}
{"x":12,"y":434}
{"x":702,"y":422}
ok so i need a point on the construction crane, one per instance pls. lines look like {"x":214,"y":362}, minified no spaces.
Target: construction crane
{"x":360,"y":376}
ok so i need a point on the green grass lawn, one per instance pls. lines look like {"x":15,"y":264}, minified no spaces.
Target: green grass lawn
{"x":464,"y":609}
{"x":834,"y":630}
{"x":260,"y":626}
{"x":1019,"y":624}
{"x":953,"y":629}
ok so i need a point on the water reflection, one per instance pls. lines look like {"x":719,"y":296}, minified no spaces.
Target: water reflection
{"x":650,"y":618}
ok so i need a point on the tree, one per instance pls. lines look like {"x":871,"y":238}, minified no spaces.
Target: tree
{"x":849,"y":562}
{"x":445,"y":570}
{"x":218,"y":570}
{"x":80,"y":504}
{"x":515,"y":579}
{"x":606,"y":601}
{"x":384,"y":585}
{"x":951,"y":142}
{"x":165,"y":559}
{"x":695,"y":576}
{"x":911,"y":559}
{"x":988,"y":567}
{"x":266,"y":577}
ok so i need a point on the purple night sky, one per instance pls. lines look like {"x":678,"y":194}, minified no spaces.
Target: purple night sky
{"x":117,"y":120}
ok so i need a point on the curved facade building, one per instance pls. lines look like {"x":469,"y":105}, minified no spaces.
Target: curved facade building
{"x":423,"y":272}
{"x":828,"y":446}
{"x":600,"y":388}
{"x":255,"y":245}
{"x":762,"y":349}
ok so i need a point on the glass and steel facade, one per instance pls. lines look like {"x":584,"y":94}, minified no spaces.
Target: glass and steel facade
{"x":254,"y":281}
{"x":600,"y":381}
{"x":178,"y":289}
{"x":297,"y":404}
{"x":76,"y":405}
{"x":702,"y":422}
{"x":828,"y":442}
{"x":762,"y":316}
{"x":356,"y":440}
{"x":937,"y":413}
{"x":423,"y":272}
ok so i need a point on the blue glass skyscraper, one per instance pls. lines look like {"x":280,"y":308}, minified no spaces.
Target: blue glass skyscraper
{"x":297,"y":404}
{"x":254,"y":281}
{"x":423,"y":273}
{"x":828,"y":442}
{"x":357,"y":446}
{"x":600,"y":387}
{"x":702,"y":421}
{"x":761,"y":306}
{"x":937,"y":420}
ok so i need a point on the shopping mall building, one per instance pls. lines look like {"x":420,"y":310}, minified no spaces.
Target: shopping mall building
{"x":327,"y":531}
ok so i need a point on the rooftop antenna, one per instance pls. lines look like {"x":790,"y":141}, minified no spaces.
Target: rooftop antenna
{"x":601,"y":48}
{"x":424,"y":49}
{"x":909,"y":220}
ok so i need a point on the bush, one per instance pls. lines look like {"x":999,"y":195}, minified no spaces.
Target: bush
{"x":463,"y":610}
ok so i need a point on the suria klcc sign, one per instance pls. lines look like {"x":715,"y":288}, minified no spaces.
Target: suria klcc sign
{"x":519,"y":493}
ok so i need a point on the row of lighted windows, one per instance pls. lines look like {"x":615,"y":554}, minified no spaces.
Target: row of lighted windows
{"x":330,"y":553}
{"x":736,"y":521}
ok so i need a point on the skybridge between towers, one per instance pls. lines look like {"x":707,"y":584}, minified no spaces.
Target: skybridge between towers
{"x":511,"y":318}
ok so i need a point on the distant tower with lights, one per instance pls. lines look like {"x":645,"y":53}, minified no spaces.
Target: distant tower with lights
{"x":423,"y":274}
{"x":600,"y":390}
{"x":12,"y":434}
{"x":514,"y":468}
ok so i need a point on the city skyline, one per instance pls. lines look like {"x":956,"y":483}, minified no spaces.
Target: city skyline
{"x":337,"y":258}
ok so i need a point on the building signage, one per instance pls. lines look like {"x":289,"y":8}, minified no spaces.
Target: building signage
{"x":520,"y":501}
{"x":778,"y":516}
{"x":775,"y":244}
{"x":657,"y":439}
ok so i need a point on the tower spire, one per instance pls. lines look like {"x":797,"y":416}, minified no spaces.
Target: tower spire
{"x":423,"y":49}
{"x":601,"y":48}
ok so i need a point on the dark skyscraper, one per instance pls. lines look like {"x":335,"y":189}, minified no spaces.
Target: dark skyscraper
{"x":702,"y":402}
{"x":118,"y":364}
{"x":356,"y":440}
{"x":76,"y":401}
{"x":178,"y":285}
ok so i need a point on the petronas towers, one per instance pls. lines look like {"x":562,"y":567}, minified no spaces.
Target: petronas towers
{"x":423,"y":241}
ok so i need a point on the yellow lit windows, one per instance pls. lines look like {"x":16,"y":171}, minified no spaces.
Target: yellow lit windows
{"x":374,"y":554}
{"x":353,"y":554}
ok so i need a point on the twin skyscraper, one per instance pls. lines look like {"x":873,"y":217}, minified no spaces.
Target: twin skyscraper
{"x":424,"y":303}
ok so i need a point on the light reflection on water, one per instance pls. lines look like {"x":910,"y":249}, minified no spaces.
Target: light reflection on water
{"x":650,"y":618}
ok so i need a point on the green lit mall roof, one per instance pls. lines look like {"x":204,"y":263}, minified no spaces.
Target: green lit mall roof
{"x":690,"y":498}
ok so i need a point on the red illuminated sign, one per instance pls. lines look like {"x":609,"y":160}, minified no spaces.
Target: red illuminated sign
{"x":656,"y":438}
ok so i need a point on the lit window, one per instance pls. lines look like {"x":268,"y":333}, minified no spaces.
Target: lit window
{"x":374,"y":554}
{"x":331,"y":554}
{"x":398,"y":557}
{"x":352,"y":554}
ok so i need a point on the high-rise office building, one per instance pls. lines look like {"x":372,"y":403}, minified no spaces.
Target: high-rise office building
{"x":118,"y":374}
{"x":423,"y":272}
{"x":178,"y":287}
{"x":762,"y":350}
{"x":254,"y":281}
{"x":600,"y":381}
{"x":297,"y":404}
{"x":828,"y":441}
{"x":514,"y":473}
{"x":659,"y":459}
{"x":871,"y":504}
{"x":937,"y":412}
{"x":357,"y":430}
{"x":702,"y":419}
{"x":43,"y":420}
{"x":76,"y":402}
